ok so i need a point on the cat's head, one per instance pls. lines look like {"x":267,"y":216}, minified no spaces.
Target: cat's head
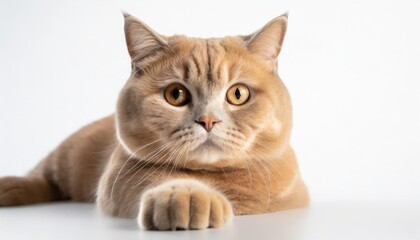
{"x":204,"y":102}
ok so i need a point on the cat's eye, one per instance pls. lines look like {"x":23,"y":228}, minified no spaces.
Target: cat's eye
{"x":237,"y":94}
{"x":177,"y":95}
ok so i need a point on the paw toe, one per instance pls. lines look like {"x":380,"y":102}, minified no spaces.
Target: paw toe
{"x":145,"y":218}
{"x":179,"y":211}
{"x":216,"y":212}
{"x":200,"y":209}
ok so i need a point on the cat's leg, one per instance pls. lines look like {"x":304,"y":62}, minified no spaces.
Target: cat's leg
{"x":183,"y":204}
{"x":71,"y":171}
{"x":33,"y":188}
{"x":26,"y":190}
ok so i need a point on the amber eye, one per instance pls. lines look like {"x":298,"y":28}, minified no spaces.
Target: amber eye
{"x":176,"y":94}
{"x":237,"y":94}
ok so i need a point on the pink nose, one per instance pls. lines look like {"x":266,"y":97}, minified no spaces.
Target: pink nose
{"x":207,"y":122}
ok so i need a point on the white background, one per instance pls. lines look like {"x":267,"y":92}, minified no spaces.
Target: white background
{"x":352,"y":68}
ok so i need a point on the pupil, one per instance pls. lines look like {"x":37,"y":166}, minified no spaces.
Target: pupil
{"x":176,"y":93}
{"x":238,"y":94}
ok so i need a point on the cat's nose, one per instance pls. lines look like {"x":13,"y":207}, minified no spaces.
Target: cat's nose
{"x":207,"y":122}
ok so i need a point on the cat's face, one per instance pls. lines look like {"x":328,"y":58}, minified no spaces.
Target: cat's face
{"x":204,"y":102}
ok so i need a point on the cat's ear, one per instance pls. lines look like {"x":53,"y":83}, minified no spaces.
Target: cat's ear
{"x":267,"y":42}
{"x":141,"y":40}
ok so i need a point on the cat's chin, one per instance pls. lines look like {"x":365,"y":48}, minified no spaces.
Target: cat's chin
{"x":208,"y":145}
{"x":207,"y":152}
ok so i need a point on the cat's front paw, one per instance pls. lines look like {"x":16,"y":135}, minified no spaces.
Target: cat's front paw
{"x":183,"y":204}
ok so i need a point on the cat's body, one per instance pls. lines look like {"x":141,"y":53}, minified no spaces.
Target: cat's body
{"x":201,"y":131}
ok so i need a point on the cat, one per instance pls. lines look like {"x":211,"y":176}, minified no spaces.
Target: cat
{"x":201,"y":133}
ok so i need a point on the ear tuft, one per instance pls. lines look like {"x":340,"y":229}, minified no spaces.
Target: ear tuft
{"x":142,"y":41}
{"x":267,"y":42}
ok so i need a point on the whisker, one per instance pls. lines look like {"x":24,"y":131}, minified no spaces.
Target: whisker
{"x":245,"y":163}
{"x":275,"y":167}
{"x":187,"y":150}
{"x":262,"y":177}
{"x":154,"y":164}
{"x":167,"y":162}
{"x":144,"y":160}
{"x":177,"y":161}
{"x":147,"y":175}
{"x":125,"y":162}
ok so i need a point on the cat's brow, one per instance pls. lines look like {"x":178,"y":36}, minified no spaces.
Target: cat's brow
{"x":210,"y":78}
{"x":186,"y":71}
{"x":196,"y":62}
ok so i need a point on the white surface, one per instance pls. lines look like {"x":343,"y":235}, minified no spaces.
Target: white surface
{"x":321,"y":221}
{"x":351,"y":68}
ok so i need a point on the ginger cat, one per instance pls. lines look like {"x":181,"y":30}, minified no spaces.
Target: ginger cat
{"x":201,"y":132}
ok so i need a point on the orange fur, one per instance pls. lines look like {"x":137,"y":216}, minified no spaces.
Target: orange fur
{"x":150,"y":160}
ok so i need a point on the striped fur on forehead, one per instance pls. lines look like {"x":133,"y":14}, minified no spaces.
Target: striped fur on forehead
{"x":204,"y":61}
